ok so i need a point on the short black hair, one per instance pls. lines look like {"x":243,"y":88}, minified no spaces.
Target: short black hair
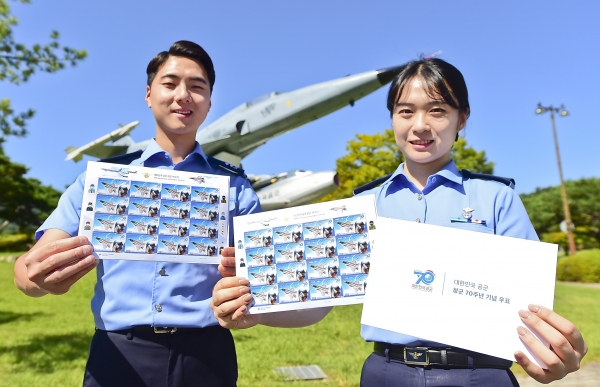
{"x":442,"y":79}
{"x":186,"y":49}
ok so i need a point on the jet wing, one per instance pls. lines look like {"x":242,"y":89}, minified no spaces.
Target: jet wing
{"x":98,"y":147}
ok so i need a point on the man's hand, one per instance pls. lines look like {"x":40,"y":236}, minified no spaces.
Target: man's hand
{"x":54,"y":264}
{"x":567,"y":347}
{"x":231,"y":296}
{"x":227,"y":265}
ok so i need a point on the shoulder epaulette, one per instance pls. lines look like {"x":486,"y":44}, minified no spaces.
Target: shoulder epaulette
{"x":370,"y":185}
{"x":220,"y":164}
{"x":504,"y":180}
{"x":125,"y":159}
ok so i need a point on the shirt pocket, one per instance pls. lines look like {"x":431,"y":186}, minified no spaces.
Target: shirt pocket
{"x":473,"y":227}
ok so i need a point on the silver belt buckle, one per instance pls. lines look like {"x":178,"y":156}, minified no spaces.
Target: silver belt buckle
{"x":165,"y":330}
{"x":416,"y":355}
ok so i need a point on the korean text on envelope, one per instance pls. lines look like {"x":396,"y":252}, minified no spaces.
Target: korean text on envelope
{"x":457,"y":287}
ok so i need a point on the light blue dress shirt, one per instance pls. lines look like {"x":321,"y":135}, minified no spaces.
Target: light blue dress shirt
{"x":445,"y":195}
{"x":129,"y":293}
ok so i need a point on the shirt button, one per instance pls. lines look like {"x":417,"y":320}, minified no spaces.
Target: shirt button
{"x":418,"y":220}
{"x":162,"y":272}
{"x":419,"y":196}
{"x":158,"y":308}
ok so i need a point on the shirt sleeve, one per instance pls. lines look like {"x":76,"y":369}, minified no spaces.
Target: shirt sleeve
{"x":511,"y":217}
{"x":66,"y":215}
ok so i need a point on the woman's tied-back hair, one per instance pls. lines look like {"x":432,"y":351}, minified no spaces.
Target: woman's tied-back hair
{"x":442,"y":81}
{"x":185,"y":49}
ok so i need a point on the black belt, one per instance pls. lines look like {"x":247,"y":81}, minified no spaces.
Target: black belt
{"x":445,"y":357}
{"x":145,"y":329}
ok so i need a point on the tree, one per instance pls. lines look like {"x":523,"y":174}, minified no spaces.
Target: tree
{"x":24,"y":202}
{"x":373,"y":156}
{"x":18,"y":62}
{"x":545,"y":210}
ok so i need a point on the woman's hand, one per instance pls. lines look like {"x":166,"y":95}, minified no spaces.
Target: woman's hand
{"x":231,"y":296}
{"x":567,"y":347}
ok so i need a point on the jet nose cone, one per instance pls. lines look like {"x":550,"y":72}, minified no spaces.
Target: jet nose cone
{"x":386,"y":75}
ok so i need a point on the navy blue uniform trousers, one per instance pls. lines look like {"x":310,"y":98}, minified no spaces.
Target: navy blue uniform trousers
{"x":198,"y":357}
{"x":381,"y":372}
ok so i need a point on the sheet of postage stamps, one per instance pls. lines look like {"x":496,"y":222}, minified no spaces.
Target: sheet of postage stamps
{"x":149,"y":214}
{"x":307,"y":257}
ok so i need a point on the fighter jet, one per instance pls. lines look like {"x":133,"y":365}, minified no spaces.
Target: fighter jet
{"x":115,"y":246}
{"x":147,"y":192}
{"x":112,"y":188}
{"x":258,"y":258}
{"x":262,"y":297}
{"x":171,"y":246}
{"x":353,"y":265}
{"x":139,"y":245}
{"x":351,"y":246}
{"x":171,"y":227}
{"x":202,"y":195}
{"x":250,"y":125}
{"x":347,"y":226}
{"x":288,"y":254}
{"x":174,"y":211}
{"x":97,"y":148}
{"x":121,"y":171}
{"x":321,"y":269}
{"x":291,"y":293}
{"x":106,"y":243}
{"x":341,"y":209}
{"x":356,"y":285}
{"x":198,"y":179}
{"x":324,"y":290}
{"x":144,"y":227}
{"x":327,"y":251}
{"x":107,"y":224}
{"x":290,"y":274}
{"x":315,"y":231}
{"x":202,"y":230}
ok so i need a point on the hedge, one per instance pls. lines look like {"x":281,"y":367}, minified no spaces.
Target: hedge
{"x":581,"y":267}
{"x":15,"y":242}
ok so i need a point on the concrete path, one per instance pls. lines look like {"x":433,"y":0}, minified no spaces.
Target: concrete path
{"x":588,"y":376}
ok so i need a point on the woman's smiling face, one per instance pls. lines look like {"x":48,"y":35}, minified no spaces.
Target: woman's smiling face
{"x":425,"y":126}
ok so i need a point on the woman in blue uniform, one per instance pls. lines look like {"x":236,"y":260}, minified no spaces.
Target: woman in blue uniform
{"x":429,"y":106}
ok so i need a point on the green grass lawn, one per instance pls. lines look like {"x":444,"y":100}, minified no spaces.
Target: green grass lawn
{"x":44,"y":342}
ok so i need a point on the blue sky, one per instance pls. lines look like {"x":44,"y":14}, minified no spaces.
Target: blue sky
{"x":513,"y":55}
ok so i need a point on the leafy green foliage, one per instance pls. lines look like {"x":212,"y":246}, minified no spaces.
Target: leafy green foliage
{"x":24,"y":201}
{"x":373,"y":156}
{"x":15,"y":242}
{"x":544,"y":206}
{"x":18,"y":62}
{"x":581,"y":267}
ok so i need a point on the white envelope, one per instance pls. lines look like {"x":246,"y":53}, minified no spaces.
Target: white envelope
{"x":457,"y":287}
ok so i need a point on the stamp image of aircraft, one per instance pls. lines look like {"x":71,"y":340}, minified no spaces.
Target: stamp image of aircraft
{"x":119,"y":209}
{"x":289,"y":236}
{"x":292,"y":294}
{"x":351,"y":246}
{"x":112,"y":188}
{"x":176,"y":248}
{"x":353,"y":265}
{"x":202,"y":195}
{"x":347,"y":226}
{"x":262,"y":297}
{"x":324,"y":290}
{"x":356,"y":285}
{"x":321,"y":269}
{"x":202,"y":229}
{"x":340,"y":208}
{"x":327,"y":251}
{"x":268,"y":279}
{"x":146,"y":210}
{"x":114,"y":246}
{"x":206,"y":214}
{"x":198,"y":179}
{"x":122,"y":172}
{"x":149,"y":229}
{"x":112,"y":226}
{"x":298,"y":275}
{"x":176,"y":229}
{"x":315,"y":231}
{"x":148,"y":247}
{"x":147,"y":192}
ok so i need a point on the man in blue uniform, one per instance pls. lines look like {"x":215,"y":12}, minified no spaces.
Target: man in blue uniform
{"x":154,"y":324}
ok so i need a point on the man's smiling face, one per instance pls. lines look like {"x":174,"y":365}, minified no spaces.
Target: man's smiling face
{"x":179,"y":97}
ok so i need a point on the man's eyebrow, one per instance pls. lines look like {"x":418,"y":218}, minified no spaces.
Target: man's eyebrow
{"x":174,"y":76}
